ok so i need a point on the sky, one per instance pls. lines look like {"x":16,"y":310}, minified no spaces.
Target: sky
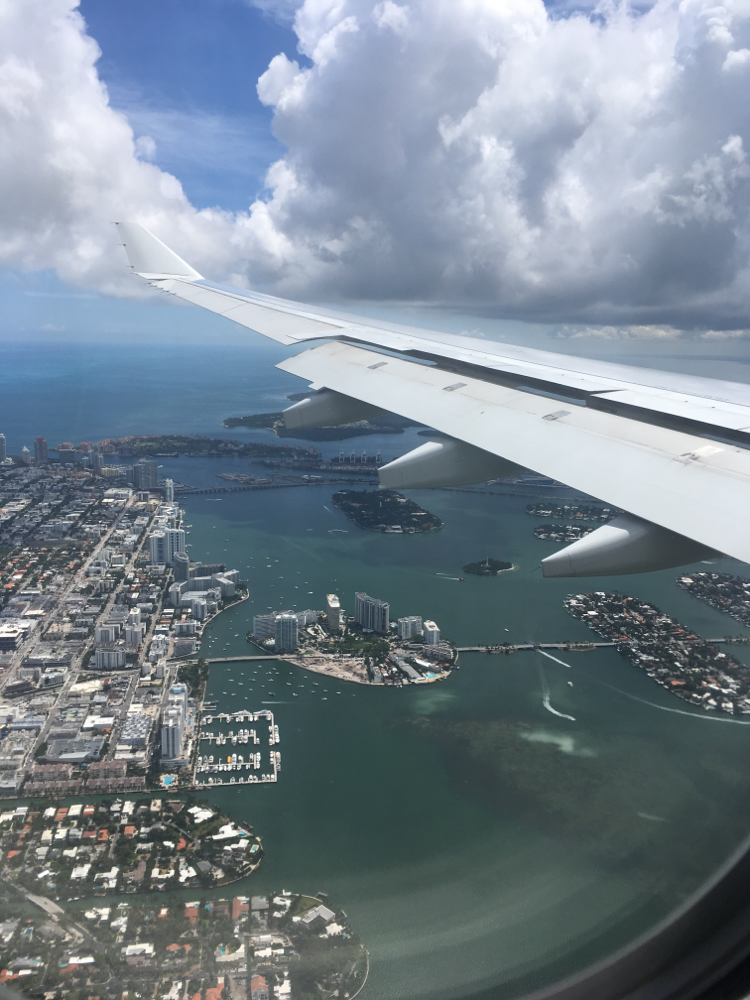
{"x":567,"y":174}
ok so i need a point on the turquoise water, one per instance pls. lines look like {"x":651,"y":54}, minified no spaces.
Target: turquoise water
{"x":477,"y":840}
{"x":467,"y":865}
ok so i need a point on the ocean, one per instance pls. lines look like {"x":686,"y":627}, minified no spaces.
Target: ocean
{"x":479,"y":841}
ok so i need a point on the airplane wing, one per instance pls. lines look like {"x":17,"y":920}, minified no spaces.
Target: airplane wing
{"x":672,"y":451}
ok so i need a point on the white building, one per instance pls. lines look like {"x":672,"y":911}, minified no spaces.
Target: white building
{"x":164,"y":544}
{"x":431,"y":634}
{"x":333,"y":613}
{"x":286,"y":632}
{"x":109,"y":659}
{"x":134,"y":634}
{"x":409,"y":627}
{"x":169,"y":490}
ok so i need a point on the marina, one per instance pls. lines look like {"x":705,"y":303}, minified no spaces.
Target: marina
{"x":224,"y":768}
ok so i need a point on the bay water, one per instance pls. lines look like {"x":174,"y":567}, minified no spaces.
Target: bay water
{"x":487,"y":834}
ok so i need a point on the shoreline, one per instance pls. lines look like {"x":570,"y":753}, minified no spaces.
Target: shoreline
{"x":337,"y":671}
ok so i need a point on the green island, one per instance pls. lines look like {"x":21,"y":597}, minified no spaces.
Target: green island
{"x":488,"y":567}
{"x":386,"y":511}
{"x":194,"y":446}
{"x":113,"y":846}
{"x":385,"y":424}
{"x":282,"y":945}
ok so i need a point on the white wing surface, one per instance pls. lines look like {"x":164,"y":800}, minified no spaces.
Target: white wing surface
{"x":673,"y":451}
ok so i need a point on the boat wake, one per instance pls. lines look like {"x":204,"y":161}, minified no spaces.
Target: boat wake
{"x":545,"y":699}
{"x":551,"y":657}
{"x":652,"y":704}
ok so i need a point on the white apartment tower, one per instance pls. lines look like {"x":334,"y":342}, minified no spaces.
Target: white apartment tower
{"x":287,"y":629}
{"x":333,"y":613}
{"x":164,"y":545}
{"x":409,"y":627}
{"x":431,"y":634}
{"x":169,"y":490}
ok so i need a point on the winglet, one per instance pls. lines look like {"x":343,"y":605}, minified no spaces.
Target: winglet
{"x":151,"y":258}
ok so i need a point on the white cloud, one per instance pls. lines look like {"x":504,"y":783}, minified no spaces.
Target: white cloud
{"x":618,"y":333}
{"x":587,"y":169}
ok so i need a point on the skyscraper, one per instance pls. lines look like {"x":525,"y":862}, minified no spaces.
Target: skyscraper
{"x":146,"y":474}
{"x":431,"y":634}
{"x":165,"y":544}
{"x":181,"y":566}
{"x":25,"y":456}
{"x":98,"y":462}
{"x":40,"y":450}
{"x":371,"y":613}
{"x":3,"y":449}
{"x":333,"y":613}
{"x":286,"y":633}
{"x":408,"y":627}
{"x":169,"y":490}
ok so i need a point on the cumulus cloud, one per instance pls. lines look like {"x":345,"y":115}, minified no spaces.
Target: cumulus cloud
{"x":70,"y":165}
{"x":593,"y":168}
{"x":588,"y":169}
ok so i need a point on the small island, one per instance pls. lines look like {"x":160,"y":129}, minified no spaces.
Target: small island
{"x":561,"y":532}
{"x":488,"y":567}
{"x":387,"y":423}
{"x":385,"y":511}
{"x":109,"y":847}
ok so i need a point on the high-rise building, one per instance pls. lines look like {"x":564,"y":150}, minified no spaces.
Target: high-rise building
{"x":409,"y":627}
{"x":164,"y":545}
{"x":3,"y":448}
{"x":172,"y":729}
{"x":181,"y":564}
{"x":431,"y":634}
{"x":371,"y":613}
{"x":109,"y":659}
{"x":40,"y":450}
{"x":157,"y":548}
{"x":146,"y":474}
{"x":207,"y":569}
{"x":169,"y":490}
{"x":175,"y":543}
{"x":333,"y":613}
{"x":99,"y":462}
{"x":178,"y":693}
{"x":287,"y":629}
{"x":25,"y":456}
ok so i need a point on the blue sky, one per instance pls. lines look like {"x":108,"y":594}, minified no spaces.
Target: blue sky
{"x":185,"y":72}
{"x":528,"y":173}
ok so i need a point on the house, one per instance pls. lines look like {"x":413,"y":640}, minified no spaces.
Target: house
{"x":258,"y":988}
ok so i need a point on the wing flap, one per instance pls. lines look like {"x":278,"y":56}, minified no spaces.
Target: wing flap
{"x":668,"y":477}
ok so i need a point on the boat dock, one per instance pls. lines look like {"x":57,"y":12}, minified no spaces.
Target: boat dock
{"x":211,"y":770}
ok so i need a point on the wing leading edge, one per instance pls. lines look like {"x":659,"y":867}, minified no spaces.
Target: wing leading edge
{"x":673,"y":451}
